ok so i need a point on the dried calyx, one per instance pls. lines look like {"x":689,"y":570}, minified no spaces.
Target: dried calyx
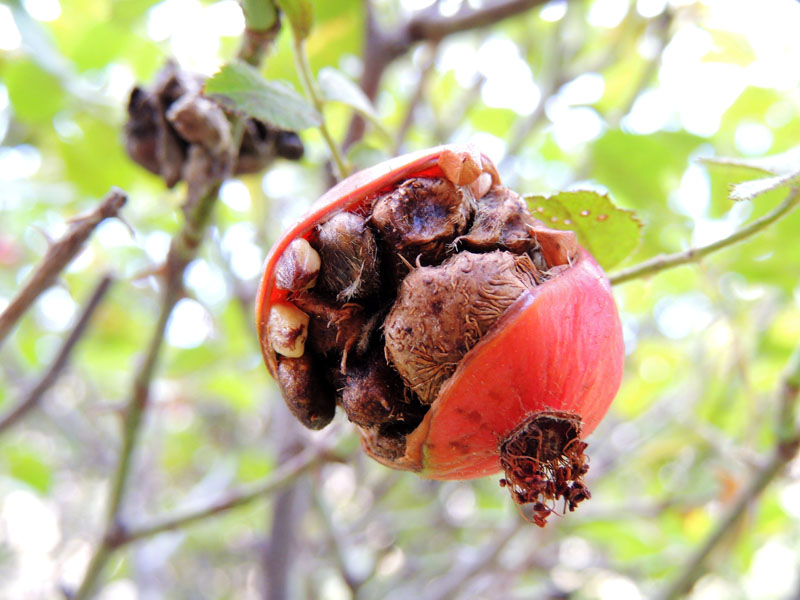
{"x":544,"y":462}
{"x":396,"y":292}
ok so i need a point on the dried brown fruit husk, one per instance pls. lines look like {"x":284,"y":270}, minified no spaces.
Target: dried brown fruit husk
{"x":166,"y":120}
{"x":374,"y":394}
{"x":544,"y":462}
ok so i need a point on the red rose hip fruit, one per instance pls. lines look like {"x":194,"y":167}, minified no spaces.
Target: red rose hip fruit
{"x":458,"y":333}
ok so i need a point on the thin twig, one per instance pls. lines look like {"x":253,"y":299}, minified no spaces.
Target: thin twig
{"x":34,"y":395}
{"x":660,"y":263}
{"x":182,"y":251}
{"x":262,"y":25}
{"x":383,"y":47}
{"x":58,"y":256}
{"x":786,"y":447}
{"x":450,"y":585}
{"x":423,"y":77}
{"x":285,"y":475}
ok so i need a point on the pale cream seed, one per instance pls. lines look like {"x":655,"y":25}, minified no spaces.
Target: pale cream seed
{"x":287,"y":329}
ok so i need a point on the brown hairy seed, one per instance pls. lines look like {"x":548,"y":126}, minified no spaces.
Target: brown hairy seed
{"x":306,"y":394}
{"x":502,"y":222}
{"x":349,"y":257}
{"x":374,"y":395}
{"x":441,"y":313}
{"x":420,"y":219}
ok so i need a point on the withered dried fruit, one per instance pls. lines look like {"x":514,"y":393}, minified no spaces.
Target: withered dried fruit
{"x":177,"y":133}
{"x":502,"y":222}
{"x":460,"y":334}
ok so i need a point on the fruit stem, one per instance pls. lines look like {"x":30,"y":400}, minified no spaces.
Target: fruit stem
{"x":310,"y":86}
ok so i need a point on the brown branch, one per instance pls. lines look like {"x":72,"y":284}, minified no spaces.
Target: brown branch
{"x":284,"y":476}
{"x":58,"y":256}
{"x":427,"y":24}
{"x":383,"y":47}
{"x":416,"y":96}
{"x":786,"y":447}
{"x":182,"y":251}
{"x":32,"y":398}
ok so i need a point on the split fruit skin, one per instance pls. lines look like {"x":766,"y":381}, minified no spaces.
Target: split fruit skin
{"x":557,"y":349}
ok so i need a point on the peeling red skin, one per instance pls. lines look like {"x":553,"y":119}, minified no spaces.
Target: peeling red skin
{"x":559,"y":347}
{"x":533,"y":359}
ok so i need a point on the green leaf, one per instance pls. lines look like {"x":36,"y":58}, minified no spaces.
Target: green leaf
{"x":338,"y":87}
{"x":609,"y":233}
{"x":25,"y":464}
{"x":241,"y":87}
{"x":300,"y":15}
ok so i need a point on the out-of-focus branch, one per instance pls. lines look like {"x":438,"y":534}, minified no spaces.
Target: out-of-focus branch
{"x":663,"y":262}
{"x":182,"y":251}
{"x":313,"y":93}
{"x":416,"y":97}
{"x":262,"y":25}
{"x":554,"y":78}
{"x":58,"y":256}
{"x":284,"y":476}
{"x":32,"y":398}
{"x":449,"y":586}
{"x":428,"y":24}
{"x":786,"y":446}
{"x":337,"y":543}
{"x":382,"y":47}
{"x":280,"y":550}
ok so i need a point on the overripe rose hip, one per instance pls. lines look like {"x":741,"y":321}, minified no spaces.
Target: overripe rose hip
{"x":458,"y":333}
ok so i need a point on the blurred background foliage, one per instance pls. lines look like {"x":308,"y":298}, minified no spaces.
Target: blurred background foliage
{"x":620,"y":96}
